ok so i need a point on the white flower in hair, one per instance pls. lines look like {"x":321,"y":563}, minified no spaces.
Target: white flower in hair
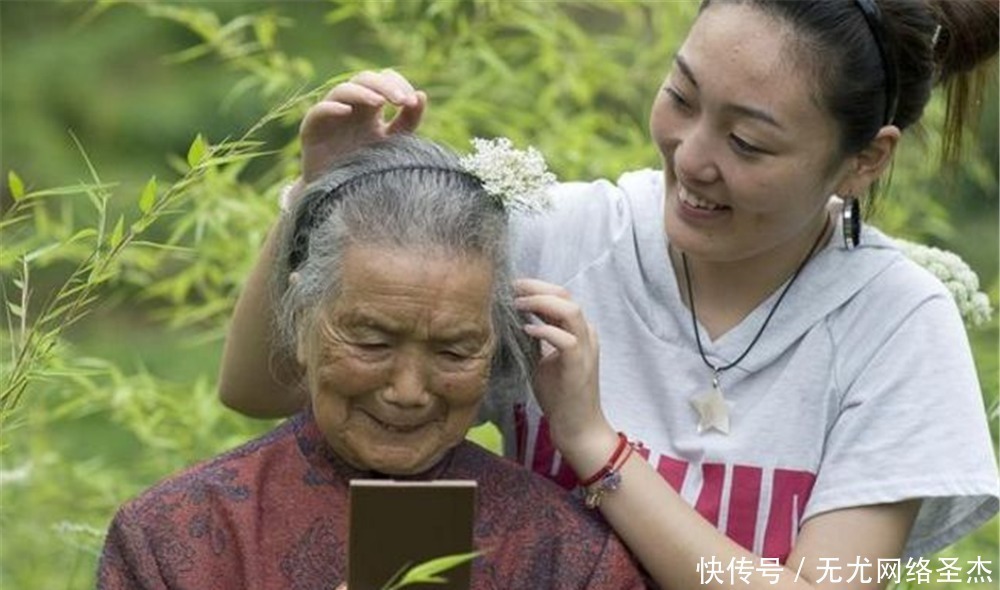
{"x":962,"y":281}
{"x":520,"y":179}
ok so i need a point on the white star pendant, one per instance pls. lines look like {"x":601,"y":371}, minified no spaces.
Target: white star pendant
{"x":713,"y":411}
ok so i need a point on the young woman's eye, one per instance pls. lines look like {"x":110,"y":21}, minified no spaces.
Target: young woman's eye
{"x":745,"y":147}
{"x":677,"y":98}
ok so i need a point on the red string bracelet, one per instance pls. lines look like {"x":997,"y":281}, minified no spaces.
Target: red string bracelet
{"x":609,"y":482}
{"x":610,"y":465}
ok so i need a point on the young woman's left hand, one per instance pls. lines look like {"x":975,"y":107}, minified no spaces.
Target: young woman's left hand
{"x":566,"y":379}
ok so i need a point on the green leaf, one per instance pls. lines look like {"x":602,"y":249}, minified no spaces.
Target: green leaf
{"x":15,"y":184}
{"x":148,"y":196}
{"x":427,"y":572}
{"x":87,"y":232}
{"x":118,"y":232}
{"x":15,"y":309}
{"x":197,"y":151}
{"x":265,"y":28}
{"x":41,"y":251}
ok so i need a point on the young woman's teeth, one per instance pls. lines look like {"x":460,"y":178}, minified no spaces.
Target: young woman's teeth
{"x":695,"y":201}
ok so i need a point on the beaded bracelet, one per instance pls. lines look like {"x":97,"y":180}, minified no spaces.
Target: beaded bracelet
{"x":609,"y":478}
{"x":609,"y":483}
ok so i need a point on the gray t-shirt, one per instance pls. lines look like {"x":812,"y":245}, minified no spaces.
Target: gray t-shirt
{"x":862,"y":389}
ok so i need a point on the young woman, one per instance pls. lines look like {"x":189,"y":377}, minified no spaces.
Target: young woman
{"x":792,"y":388}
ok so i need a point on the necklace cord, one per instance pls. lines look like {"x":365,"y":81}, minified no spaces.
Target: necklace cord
{"x":770,"y":314}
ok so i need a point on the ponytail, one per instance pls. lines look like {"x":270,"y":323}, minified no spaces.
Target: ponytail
{"x":967,"y":40}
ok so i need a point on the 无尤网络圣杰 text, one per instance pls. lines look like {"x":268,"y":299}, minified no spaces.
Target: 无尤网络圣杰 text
{"x":919,"y":570}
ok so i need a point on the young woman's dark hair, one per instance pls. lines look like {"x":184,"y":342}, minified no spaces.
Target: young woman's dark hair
{"x":873,"y":57}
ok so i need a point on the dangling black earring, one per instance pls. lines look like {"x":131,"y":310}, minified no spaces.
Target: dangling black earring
{"x":851,"y":222}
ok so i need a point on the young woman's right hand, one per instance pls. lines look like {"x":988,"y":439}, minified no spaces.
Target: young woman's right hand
{"x":350,"y":116}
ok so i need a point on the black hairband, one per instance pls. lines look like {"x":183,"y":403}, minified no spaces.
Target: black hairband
{"x":873,"y":16}
{"x":309,"y":215}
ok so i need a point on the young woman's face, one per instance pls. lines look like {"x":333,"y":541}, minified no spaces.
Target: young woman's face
{"x":398,"y":363}
{"x":749,"y":155}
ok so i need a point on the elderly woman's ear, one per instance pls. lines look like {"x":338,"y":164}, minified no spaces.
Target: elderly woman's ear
{"x":300,"y":333}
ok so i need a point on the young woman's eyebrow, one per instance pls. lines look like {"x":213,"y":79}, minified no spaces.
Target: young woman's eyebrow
{"x":740,"y":109}
{"x":685,"y":69}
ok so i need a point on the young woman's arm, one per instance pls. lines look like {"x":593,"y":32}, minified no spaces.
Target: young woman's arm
{"x":669,"y":537}
{"x":255,"y":378}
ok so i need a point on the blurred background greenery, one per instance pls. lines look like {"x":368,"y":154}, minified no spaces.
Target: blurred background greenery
{"x":116,"y":390}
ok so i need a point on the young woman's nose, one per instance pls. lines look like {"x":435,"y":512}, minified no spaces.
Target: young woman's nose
{"x":695,"y":155}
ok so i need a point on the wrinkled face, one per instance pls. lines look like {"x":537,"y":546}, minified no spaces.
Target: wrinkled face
{"x":750,"y":157}
{"x":398,"y":363}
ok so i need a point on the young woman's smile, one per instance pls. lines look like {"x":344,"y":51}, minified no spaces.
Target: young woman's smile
{"x":750,"y":158}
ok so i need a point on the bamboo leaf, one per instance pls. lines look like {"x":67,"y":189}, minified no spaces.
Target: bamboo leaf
{"x":148,"y":196}
{"x":87,"y":232}
{"x":15,"y":309}
{"x":16,"y":185}
{"x":266,"y":29}
{"x":197,"y":151}
{"x":428,"y":571}
{"x":42,"y":251}
{"x":118,"y":232}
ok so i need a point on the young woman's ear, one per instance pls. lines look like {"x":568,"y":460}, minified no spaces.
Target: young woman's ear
{"x":868,"y":165}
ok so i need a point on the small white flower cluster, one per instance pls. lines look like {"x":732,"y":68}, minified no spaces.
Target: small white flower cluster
{"x":67,"y":528}
{"x":520,"y":179}
{"x":16,"y":475}
{"x":957,"y":276}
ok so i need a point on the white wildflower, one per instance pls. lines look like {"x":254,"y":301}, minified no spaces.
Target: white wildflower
{"x":16,"y":475}
{"x":960,"y":280}
{"x":67,"y":528}
{"x":520,"y":179}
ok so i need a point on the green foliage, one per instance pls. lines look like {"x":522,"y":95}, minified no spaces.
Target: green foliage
{"x":430,"y":572}
{"x":117,"y":292}
{"x":16,"y":185}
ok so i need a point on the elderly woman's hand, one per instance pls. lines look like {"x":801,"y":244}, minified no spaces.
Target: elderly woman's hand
{"x":350,"y":116}
{"x":566,"y":379}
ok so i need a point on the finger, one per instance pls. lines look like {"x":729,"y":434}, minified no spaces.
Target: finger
{"x":355,"y":94}
{"x":385,"y":84}
{"x":322,"y":113}
{"x":554,"y":310}
{"x":559,"y":339}
{"x":409,"y":93}
{"x":539,"y":287}
{"x":409,"y":117}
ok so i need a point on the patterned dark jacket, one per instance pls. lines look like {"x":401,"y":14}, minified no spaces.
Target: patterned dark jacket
{"x":273,"y":514}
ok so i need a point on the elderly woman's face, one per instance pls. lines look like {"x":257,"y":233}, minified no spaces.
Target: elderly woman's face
{"x":398,"y":363}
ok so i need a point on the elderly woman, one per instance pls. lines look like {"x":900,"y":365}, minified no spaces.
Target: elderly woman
{"x":396,"y":298}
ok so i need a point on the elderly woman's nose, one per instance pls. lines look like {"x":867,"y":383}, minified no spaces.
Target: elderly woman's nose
{"x":408,"y":386}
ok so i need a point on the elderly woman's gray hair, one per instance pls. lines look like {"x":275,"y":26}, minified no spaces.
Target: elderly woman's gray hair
{"x":410,"y":194}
